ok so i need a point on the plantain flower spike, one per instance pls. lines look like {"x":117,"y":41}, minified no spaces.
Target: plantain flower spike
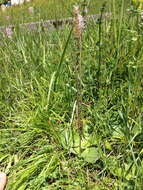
{"x":78,"y":22}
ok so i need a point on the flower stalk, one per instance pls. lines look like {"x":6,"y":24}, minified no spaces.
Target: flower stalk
{"x":78,"y":29}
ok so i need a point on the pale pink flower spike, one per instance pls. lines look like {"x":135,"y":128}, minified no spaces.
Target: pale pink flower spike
{"x":78,"y":22}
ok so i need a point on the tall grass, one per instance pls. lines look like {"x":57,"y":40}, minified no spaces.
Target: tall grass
{"x":39,"y":148}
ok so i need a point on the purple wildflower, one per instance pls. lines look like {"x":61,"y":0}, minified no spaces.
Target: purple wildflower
{"x":9,"y":32}
{"x":31,"y":10}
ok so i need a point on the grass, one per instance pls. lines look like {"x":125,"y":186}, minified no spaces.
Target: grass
{"x":39,"y":147}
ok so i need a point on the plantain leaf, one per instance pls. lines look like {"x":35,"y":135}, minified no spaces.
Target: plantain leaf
{"x":90,"y":155}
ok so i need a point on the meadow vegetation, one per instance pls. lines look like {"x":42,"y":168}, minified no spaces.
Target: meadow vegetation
{"x":44,"y":9}
{"x":39,"y":140}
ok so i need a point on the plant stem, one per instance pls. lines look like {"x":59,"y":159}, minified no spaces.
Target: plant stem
{"x":100,"y":50}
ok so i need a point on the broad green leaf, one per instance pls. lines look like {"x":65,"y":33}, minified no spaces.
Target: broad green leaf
{"x":90,"y":155}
